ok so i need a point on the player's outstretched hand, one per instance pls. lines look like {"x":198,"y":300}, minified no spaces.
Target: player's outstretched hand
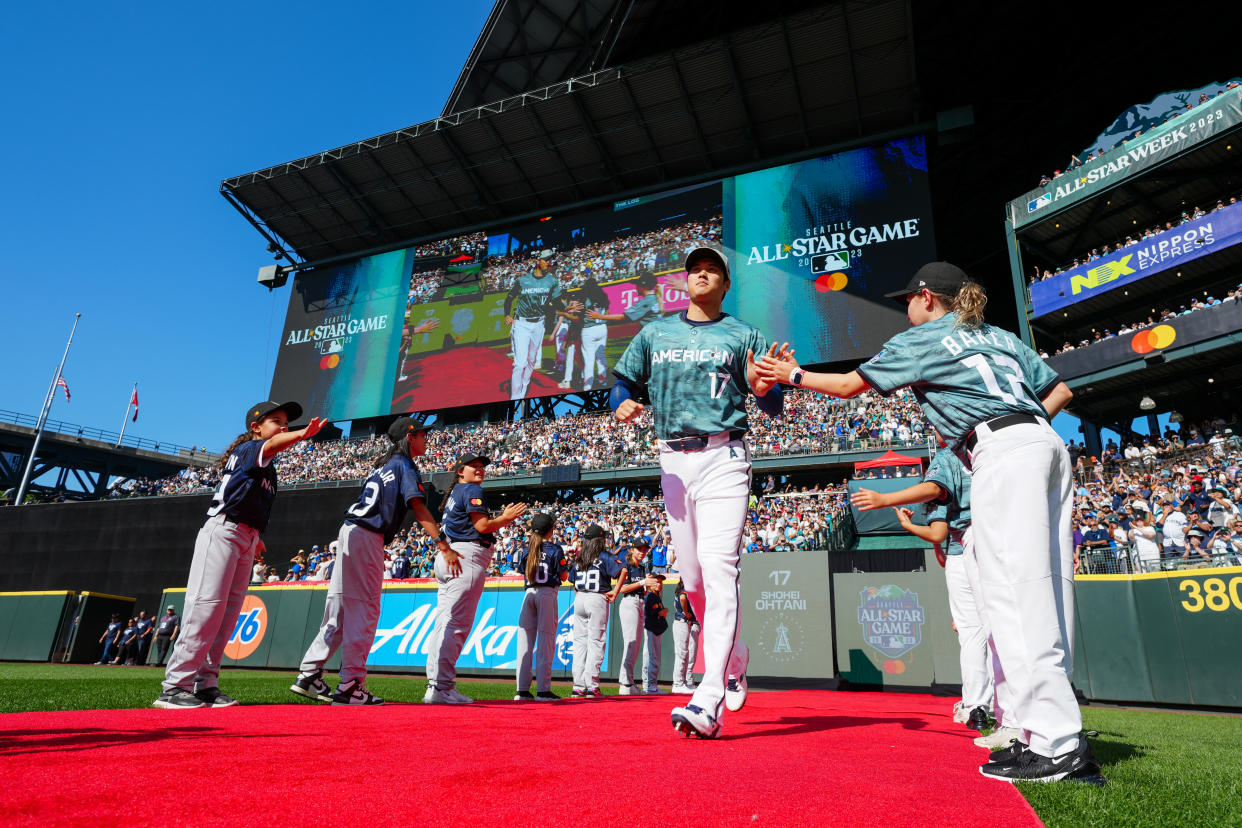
{"x":426,"y":326}
{"x":779,"y":362}
{"x":508,"y":320}
{"x":512,"y":512}
{"x":312,"y":428}
{"x":628,"y":411}
{"x":904,"y":515}
{"x":864,"y":500}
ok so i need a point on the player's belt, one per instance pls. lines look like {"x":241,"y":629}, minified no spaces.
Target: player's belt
{"x":698,"y":442}
{"x":531,"y":318}
{"x":996,"y":424}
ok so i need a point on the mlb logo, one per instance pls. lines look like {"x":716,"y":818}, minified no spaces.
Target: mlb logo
{"x":1043,"y":201}
{"x":828,"y":262}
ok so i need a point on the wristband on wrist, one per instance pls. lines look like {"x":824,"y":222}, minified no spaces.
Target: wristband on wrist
{"x":795,"y":377}
{"x":442,"y":536}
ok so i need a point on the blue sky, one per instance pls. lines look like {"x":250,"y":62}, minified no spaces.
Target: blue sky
{"x":122,"y":121}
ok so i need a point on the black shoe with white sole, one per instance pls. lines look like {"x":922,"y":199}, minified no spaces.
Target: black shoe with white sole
{"x":312,"y":687}
{"x":354,"y":694}
{"x":546,"y":695}
{"x":178,"y":699}
{"x":212,"y":697}
{"x":1006,"y":753}
{"x":1079,"y":765}
{"x":523,"y":695}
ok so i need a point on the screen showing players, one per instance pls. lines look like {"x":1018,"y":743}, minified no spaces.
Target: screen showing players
{"x":548,"y":306}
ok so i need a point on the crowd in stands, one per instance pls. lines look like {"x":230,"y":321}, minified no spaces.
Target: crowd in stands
{"x":1075,"y":161}
{"x":776,"y":522}
{"x":610,"y":260}
{"x":1097,"y":253}
{"x":1158,"y":502}
{"x":1195,"y":303}
{"x":472,"y":244}
{"x":812,"y":423}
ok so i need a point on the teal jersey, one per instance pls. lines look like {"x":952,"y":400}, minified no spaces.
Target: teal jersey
{"x":531,"y":295}
{"x":694,"y":373}
{"x":962,"y":376}
{"x":947,"y":472}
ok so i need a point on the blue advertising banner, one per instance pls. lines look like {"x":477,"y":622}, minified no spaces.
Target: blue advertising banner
{"x":407,"y":617}
{"x":1171,"y":248}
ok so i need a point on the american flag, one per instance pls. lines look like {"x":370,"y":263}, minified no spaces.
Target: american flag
{"x":61,"y":382}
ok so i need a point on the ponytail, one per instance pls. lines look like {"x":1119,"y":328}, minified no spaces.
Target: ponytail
{"x":535,"y":540}
{"x":969,"y":303}
{"x":401,"y":447}
{"x":589,"y":552}
{"x":449,"y":493}
{"x":244,"y":437}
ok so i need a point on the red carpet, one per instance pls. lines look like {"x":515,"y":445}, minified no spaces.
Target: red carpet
{"x":789,"y":758}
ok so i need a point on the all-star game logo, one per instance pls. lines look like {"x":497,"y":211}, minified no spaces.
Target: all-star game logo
{"x":891,"y":618}
{"x":823,"y":253}
{"x":782,"y":638}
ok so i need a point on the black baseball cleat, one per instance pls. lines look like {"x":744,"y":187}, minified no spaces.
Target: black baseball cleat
{"x":546,"y":695}
{"x":523,"y":695}
{"x":693,"y":720}
{"x":1079,"y":765}
{"x":979,"y":719}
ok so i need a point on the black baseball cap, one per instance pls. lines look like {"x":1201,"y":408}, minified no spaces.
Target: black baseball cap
{"x":708,"y":249}
{"x":640,"y":541}
{"x":469,"y":457}
{"x":404,"y":426}
{"x":594,"y":531}
{"x":542,"y":522}
{"x":256,"y":412}
{"x":938,"y":277}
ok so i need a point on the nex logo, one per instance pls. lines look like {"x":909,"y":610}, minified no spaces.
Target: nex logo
{"x":1097,"y":276}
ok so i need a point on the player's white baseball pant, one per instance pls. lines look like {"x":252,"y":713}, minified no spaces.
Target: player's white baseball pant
{"x":705,"y":494}
{"x":536,"y":627}
{"x":526,"y":337}
{"x":1021,"y":496}
{"x":1002,"y":706}
{"x":219,"y":578}
{"x":961,"y":573}
{"x":457,"y":599}
{"x":651,"y":657}
{"x":352,"y":607}
{"x":630,"y":614}
{"x":590,"y":635}
{"x":685,"y":648}
{"x":594,"y":345}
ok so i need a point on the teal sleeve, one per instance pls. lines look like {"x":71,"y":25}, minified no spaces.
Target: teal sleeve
{"x":938,"y":513}
{"x":895,"y":366}
{"x":1040,"y":377}
{"x":635,"y":363}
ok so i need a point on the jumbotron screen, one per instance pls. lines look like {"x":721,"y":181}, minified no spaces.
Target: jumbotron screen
{"x":548,"y":306}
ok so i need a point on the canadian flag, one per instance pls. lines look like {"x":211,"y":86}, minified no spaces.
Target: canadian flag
{"x":60,"y":382}
{"x":134,"y":402}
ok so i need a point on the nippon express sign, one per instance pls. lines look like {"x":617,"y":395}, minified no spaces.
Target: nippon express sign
{"x":408,"y":617}
{"x":1163,"y":251}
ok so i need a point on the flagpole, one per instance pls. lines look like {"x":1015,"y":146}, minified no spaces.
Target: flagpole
{"x":125,"y":419}
{"x":47,"y":409}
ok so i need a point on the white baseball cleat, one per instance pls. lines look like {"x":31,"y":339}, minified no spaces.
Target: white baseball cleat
{"x":961,"y":713}
{"x":999,"y":738}
{"x":693,"y":720}
{"x":735,"y":687}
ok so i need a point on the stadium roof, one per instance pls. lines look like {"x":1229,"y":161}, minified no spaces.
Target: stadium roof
{"x":786,"y":87}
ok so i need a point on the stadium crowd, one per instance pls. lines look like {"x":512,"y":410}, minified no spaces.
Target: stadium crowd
{"x":1097,"y":253}
{"x":1193,"y":303}
{"x":610,"y":260}
{"x":812,"y":423}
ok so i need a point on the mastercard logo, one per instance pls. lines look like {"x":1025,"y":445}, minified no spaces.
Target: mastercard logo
{"x":330,"y":361}
{"x":831,"y":281}
{"x":1161,"y":336}
{"x":248,"y":631}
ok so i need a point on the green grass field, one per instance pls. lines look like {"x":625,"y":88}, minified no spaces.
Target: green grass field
{"x":1164,"y":769}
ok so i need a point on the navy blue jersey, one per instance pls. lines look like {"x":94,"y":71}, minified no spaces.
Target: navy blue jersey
{"x":456,"y":523}
{"x":678,"y":613}
{"x":130,"y":634}
{"x":548,"y":571}
{"x":652,"y":604}
{"x":142,"y":624}
{"x":113,"y":628}
{"x":597,"y":577}
{"x":634,"y":573}
{"x":386,"y":496}
{"x":247,"y":488}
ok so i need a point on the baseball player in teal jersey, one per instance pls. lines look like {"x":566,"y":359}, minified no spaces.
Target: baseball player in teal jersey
{"x":991,"y":398}
{"x":946,"y":490}
{"x":533,"y":297}
{"x":697,"y":368}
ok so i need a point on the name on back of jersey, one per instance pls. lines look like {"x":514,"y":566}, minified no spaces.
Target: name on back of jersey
{"x":974,"y":340}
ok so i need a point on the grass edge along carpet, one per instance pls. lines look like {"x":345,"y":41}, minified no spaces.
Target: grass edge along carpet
{"x":788,"y":758}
